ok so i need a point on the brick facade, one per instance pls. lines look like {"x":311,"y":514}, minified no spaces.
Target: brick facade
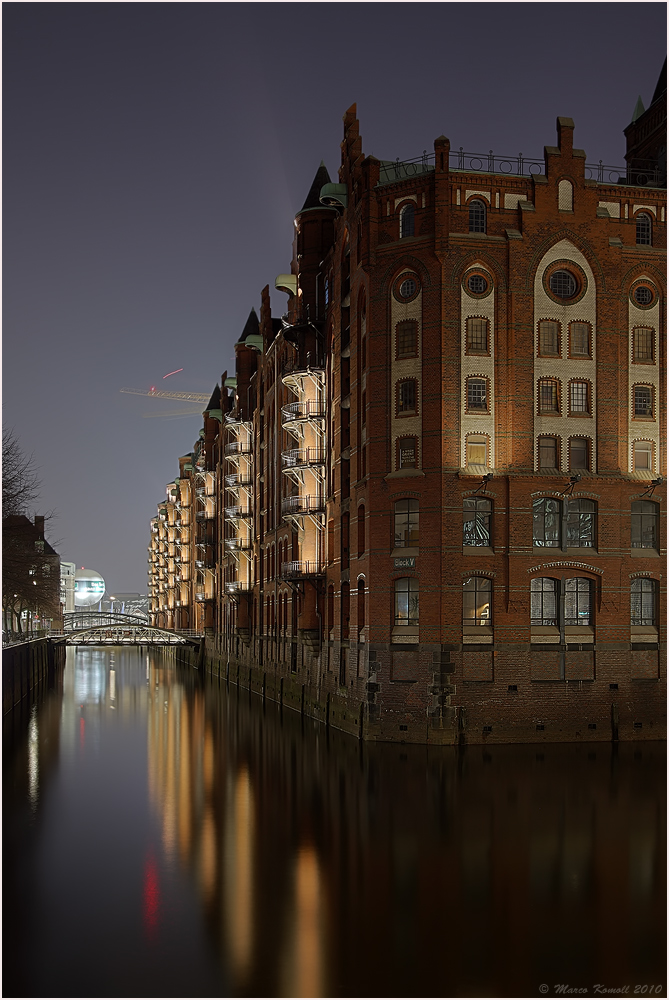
{"x":438,"y":477}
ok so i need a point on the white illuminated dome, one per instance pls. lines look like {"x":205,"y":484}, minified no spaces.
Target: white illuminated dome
{"x":89,"y":588}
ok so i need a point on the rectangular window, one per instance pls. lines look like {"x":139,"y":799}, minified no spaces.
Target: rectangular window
{"x":548,"y":396}
{"x":407,"y":339}
{"x":407,"y":453}
{"x":543,"y":601}
{"x":578,"y":454}
{"x":406,"y":396}
{"x":407,"y":519}
{"x":477,"y":448}
{"x":643,"y":344}
{"x":477,"y":336}
{"x":579,"y":340}
{"x":549,"y":339}
{"x":477,"y":515}
{"x":548,"y":453}
{"x":643,"y":456}
{"x":643,"y":401}
{"x":579,"y":397}
{"x":477,"y":395}
{"x":577,"y":601}
{"x":546,"y":519}
{"x":644,"y":524}
{"x":406,"y":601}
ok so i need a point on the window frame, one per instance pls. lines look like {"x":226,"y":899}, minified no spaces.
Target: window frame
{"x":556,"y":440}
{"x":651,"y":392}
{"x":571,"y":386}
{"x":544,"y":620}
{"x":402,"y":410}
{"x":572,"y":515}
{"x":577,"y":356}
{"x":480,"y":519}
{"x":541,"y":353}
{"x":482,"y":585}
{"x":556,"y":385}
{"x":645,"y":517}
{"x":401,"y":329}
{"x":473,"y":439}
{"x":478,"y":215}
{"x":639,"y":620}
{"x":485,"y":381}
{"x":407,"y":212}
{"x":650,"y":450}
{"x":539,"y":538}
{"x":475,"y":351}
{"x":399,"y":449}
{"x":578,"y":439}
{"x":410,"y":530}
{"x":643,"y":219}
{"x":636,"y":359}
{"x":412,"y":598}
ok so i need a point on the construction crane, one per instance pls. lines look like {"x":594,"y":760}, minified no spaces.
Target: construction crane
{"x":193,"y":397}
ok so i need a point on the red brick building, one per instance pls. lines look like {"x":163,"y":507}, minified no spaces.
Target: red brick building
{"x":440,"y":474}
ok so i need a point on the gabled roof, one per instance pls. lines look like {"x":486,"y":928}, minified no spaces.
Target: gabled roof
{"x":252,"y":326}
{"x":322,"y":177}
{"x":215,"y":401}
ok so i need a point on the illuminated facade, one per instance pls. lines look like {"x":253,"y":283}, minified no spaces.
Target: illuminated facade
{"x":438,"y":477}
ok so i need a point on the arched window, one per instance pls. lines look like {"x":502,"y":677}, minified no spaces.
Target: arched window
{"x":406,"y":523}
{"x":361,"y":530}
{"x":581,"y":524}
{"x":642,"y":456}
{"x":476,"y":518}
{"x":579,"y":398}
{"x":477,"y":601}
{"x":544,"y":601}
{"x":549,"y":453}
{"x":643,"y":609}
{"x":644,"y":229}
{"x":477,"y":395}
{"x":643,"y":345}
{"x":477,"y":214}
{"x":406,"y":334}
{"x":406,"y":601}
{"x":477,"y":338}
{"x":361,"y":605}
{"x":643,"y":401}
{"x":579,"y":454}
{"x":476,"y":452}
{"x":407,"y":393}
{"x":549,"y":395}
{"x":644,"y":524}
{"x":407,"y":220}
{"x":546,"y":518}
{"x":565,"y":196}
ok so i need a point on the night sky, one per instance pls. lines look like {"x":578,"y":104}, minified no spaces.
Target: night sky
{"x":155,"y":156}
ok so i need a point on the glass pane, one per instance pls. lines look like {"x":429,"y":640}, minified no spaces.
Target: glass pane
{"x":546,"y":523}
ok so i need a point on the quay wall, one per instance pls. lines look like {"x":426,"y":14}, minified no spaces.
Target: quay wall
{"x":26,"y":666}
{"x":434,"y":697}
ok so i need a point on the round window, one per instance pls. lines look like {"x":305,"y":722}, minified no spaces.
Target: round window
{"x":477,"y":284}
{"x":643,"y":295}
{"x":407,"y":288}
{"x":563,"y":284}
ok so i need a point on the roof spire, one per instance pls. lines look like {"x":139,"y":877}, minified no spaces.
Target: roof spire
{"x":320,"y":180}
{"x":638,"y":109}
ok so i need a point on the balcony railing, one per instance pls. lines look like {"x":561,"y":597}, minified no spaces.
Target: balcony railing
{"x":302,"y":505}
{"x":205,"y":515}
{"x":297,"y":457}
{"x":298,"y":569}
{"x":234,"y":479}
{"x":296,"y":368}
{"x":238,"y":587}
{"x":238,"y":544}
{"x":238,"y":511}
{"x":307,"y":409}
{"x":237,"y":448}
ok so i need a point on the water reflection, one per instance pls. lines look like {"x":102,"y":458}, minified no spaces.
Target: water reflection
{"x":269,"y":857}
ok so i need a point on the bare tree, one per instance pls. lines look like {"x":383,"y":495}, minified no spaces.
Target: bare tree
{"x":20,"y":482}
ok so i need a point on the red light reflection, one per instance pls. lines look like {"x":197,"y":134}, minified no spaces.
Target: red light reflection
{"x":151,"y":896}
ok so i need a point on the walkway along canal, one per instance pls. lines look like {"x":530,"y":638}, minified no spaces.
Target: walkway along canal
{"x":166,"y":834}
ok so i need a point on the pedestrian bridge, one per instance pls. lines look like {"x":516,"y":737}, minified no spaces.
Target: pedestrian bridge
{"x":93,"y":628}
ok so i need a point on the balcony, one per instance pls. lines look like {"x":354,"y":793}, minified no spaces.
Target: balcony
{"x":238,"y":511}
{"x":238,"y":544}
{"x":233,"y":587}
{"x":302,"y":505}
{"x":235,"y":448}
{"x":205,"y":515}
{"x":235,"y":479}
{"x":298,"y":569}
{"x":300,"y":458}
{"x":306,"y":409}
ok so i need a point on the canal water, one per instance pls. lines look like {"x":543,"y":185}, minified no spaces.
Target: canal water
{"x":167,"y":837}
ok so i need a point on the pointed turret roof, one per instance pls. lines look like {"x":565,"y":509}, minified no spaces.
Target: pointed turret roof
{"x":320,"y":180}
{"x":215,"y":401}
{"x":661,"y":83}
{"x":251,"y":327}
{"x":638,"y":109}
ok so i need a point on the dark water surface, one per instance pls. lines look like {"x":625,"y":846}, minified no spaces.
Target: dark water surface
{"x":164,"y":837}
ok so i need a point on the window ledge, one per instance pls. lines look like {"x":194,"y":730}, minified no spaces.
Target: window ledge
{"x":542,"y":634}
{"x":478,"y":634}
{"x":477,"y":550}
{"x":404,"y":473}
{"x":645,"y":554}
{"x":644,"y":633}
{"x":398,"y":553}
{"x":405,"y":633}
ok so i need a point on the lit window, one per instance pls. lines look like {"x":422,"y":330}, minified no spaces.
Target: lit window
{"x":548,"y":453}
{"x":477,"y":395}
{"x":579,"y":397}
{"x":577,"y":601}
{"x":476,"y":518}
{"x":579,"y":340}
{"x":643,"y":343}
{"x":477,"y":601}
{"x":477,"y":450}
{"x":543,"y":601}
{"x":546,"y":518}
{"x":477,"y":336}
{"x":578,"y":454}
{"x":549,"y":339}
{"x":407,"y":221}
{"x":406,"y":396}
{"x":644,"y":229}
{"x":581,"y":524}
{"x":644,"y":524}
{"x":406,"y":523}
{"x":643,"y":603}
{"x":406,"y":601}
{"x":563,"y":284}
{"x":548,"y":396}
{"x":643,"y":456}
{"x":407,"y":339}
{"x":643,"y":401}
{"x":477,"y":214}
